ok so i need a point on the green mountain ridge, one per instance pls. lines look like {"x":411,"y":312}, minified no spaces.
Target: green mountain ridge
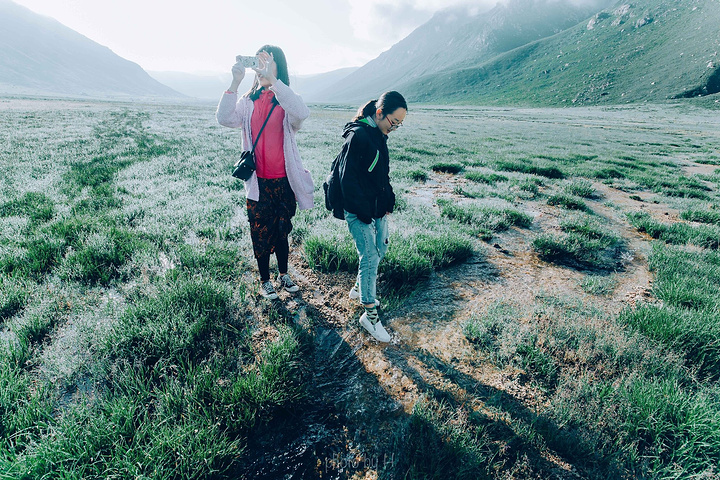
{"x":644,"y":51}
{"x":458,"y":37}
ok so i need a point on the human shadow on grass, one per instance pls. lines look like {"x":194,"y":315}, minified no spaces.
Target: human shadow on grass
{"x":564,"y":442}
{"x":333,"y":432}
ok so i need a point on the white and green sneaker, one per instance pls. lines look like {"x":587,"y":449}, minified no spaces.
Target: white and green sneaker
{"x":371,"y":322}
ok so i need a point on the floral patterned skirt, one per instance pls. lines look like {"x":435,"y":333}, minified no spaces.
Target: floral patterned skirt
{"x":270,"y":217}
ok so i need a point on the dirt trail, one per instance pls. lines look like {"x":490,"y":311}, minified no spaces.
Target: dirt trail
{"x":366,"y":387}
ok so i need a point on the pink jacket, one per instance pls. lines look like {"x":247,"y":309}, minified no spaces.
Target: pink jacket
{"x":236,"y":112}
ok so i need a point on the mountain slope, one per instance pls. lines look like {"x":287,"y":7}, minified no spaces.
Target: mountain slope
{"x":313,"y":87}
{"x":40,"y":55}
{"x":647,"y":50}
{"x":459,"y":37}
{"x":200,"y":86}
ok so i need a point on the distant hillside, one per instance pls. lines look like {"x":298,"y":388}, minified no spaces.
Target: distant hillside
{"x":459,"y":37}
{"x":313,"y":88}
{"x":39,"y":55}
{"x":646,"y":50}
{"x":203,"y":87}
{"x":210,"y":87}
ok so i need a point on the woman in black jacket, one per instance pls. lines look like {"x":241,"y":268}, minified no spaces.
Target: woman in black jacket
{"x":368,"y":197}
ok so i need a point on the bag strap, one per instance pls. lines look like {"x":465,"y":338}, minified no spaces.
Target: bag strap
{"x":263,"y":126}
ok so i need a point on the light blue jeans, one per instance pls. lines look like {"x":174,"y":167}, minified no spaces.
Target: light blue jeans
{"x":371,"y":242}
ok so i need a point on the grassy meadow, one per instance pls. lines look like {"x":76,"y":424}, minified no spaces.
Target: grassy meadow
{"x":133,"y":343}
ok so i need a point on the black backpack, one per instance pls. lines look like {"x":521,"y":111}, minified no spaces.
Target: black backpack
{"x":333,"y":191}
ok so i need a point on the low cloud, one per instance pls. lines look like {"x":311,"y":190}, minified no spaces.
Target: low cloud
{"x":388,"y":21}
{"x":384,"y":22}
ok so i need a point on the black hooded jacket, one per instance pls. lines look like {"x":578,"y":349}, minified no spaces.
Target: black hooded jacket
{"x":364,"y":168}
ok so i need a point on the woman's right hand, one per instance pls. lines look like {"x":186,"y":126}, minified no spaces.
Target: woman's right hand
{"x":238,"y":73}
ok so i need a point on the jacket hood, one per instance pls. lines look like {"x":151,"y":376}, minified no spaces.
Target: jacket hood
{"x":349,"y":127}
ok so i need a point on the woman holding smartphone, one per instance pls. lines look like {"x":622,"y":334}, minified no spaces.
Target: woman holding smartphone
{"x":280,"y":183}
{"x":368,"y":197}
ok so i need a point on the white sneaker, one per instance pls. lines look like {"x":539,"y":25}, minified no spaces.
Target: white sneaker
{"x":287,"y":283}
{"x":267,"y":290}
{"x":376,"y":330}
{"x":354,"y":294}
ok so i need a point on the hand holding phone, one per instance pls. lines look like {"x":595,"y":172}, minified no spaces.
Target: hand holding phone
{"x":267,"y":69}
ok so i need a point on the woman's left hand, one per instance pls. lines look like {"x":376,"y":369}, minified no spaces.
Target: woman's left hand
{"x":267,"y":67}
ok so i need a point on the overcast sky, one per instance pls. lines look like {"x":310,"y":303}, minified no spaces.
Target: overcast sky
{"x":204,"y":36}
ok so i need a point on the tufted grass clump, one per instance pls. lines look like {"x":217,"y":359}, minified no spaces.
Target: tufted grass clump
{"x":223,"y":261}
{"x":693,"y":333}
{"x":528,"y":187}
{"x":25,"y":403}
{"x":658,"y":422}
{"x":710,"y":216}
{"x":567,"y":250}
{"x":417,"y":175}
{"x":413,"y":257}
{"x":568,"y":202}
{"x":677,"y":186}
{"x":580,"y":188}
{"x":488,"y":178}
{"x":599,"y":284}
{"x":687,"y":321}
{"x":485,"y":220}
{"x":182,"y":321}
{"x":584,"y":243}
{"x":530,"y":168}
{"x":99,"y":258}
{"x":484,"y":329}
{"x":33,"y":257}
{"x":37,"y":206}
{"x":330,"y":251}
{"x":444,"y":167}
{"x":609,"y":173}
{"x":590,"y":228}
{"x":687,"y":279}
{"x":14,"y":296}
{"x":706,"y":236}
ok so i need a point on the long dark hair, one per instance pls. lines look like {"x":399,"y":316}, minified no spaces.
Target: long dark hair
{"x":387,"y":103}
{"x":282,"y":70}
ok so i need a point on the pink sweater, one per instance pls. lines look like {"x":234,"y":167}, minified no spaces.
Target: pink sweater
{"x":237,"y":112}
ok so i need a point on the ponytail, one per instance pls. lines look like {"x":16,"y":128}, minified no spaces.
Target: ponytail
{"x":366,"y":110}
{"x":387,"y":103}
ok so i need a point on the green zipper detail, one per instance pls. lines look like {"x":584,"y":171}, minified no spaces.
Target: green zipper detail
{"x":377,"y":156}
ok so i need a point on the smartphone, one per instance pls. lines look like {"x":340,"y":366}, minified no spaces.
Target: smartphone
{"x":248,"y":61}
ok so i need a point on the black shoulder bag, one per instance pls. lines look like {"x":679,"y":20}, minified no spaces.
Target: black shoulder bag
{"x":244,"y":168}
